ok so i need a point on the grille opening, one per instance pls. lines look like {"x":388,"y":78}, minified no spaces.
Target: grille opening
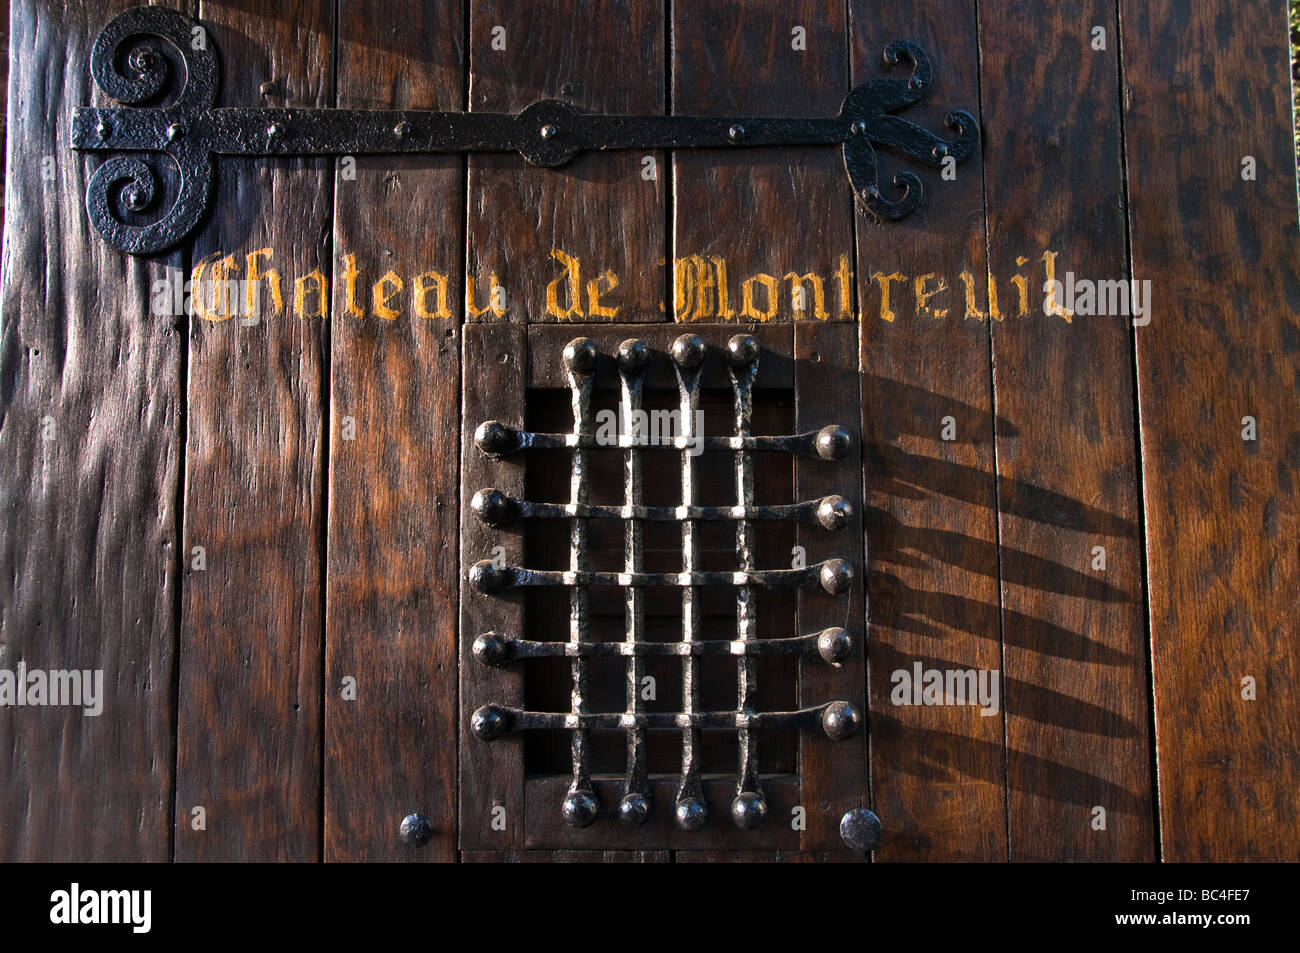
{"x":547,"y":682}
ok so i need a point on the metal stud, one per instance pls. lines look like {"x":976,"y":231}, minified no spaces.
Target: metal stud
{"x":833,"y":644}
{"x":494,"y":437}
{"x":742,"y":350}
{"x":402,"y":129}
{"x":833,"y":512}
{"x":833,"y":442}
{"x":416,"y":830}
{"x":489,"y":723}
{"x":493,"y":507}
{"x":748,"y":810}
{"x":860,"y":830}
{"x":836,"y":576}
{"x":633,"y":810}
{"x":840,"y":721}
{"x":690,"y":814}
{"x":688,"y":351}
{"x":491,"y":649}
{"x":579,"y":809}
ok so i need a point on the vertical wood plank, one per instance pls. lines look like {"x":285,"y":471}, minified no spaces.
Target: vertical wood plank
{"x":1203,"y":88}
{"x":776,"y":212}
{"x":566,"y":857}
{"x":249,"y":746}
{"x":762,"y":857}
{"x":937,"y":772}
{"x":491,"y":806}
{"x":392,"y":595}
{"x":833,"y":774}
{"x":1074,"y":686}
{"x":603,"y":56}
{"x":90,"y":454}
{"x":749,"y":227}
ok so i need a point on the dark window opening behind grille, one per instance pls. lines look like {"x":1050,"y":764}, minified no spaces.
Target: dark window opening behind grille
{"x":546,"y":610}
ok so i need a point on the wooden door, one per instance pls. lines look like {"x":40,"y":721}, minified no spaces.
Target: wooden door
{"x":1059,"y":567}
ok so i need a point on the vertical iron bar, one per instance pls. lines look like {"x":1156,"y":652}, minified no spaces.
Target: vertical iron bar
{"x":635,"y":806}
{"x":688,"y":360}
{"x":580,"y":806}
{"x":749,"y":807}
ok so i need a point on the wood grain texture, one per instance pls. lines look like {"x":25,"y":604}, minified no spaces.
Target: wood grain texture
{"x":392,"y":596}
{"x":1203,"y":89}
{"x":88,"y":522}
{"x":1074,"y":688}
{"x":764,"y":857}
{"x":748,"y":226}
{"x":938,"y":773}
{"x":776,"y":212}
{"x":566,"y":857}
{"x":249,"y":744}
{"x":603,"y":56}
{"x":833,"y":774}
{"x":491,"y":774}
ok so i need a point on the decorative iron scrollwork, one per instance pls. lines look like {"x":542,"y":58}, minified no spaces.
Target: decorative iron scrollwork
{"x":130,"y":69}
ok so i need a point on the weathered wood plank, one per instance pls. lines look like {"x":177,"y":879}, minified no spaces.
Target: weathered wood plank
{"x":833,"y":774}
{"x":1074,"y":687}
{"x":937,"y":772}
{"x":392,"y":595}
{"x":766,"y":235}
{"x":1203,"y":89}
{"x":491,"y":805}
{"x":764,"y":857}
{"x":598,"y":212}
{"x":249,"y":745}
{"x":91,"y":404}
{"x":748,"y":221}
{"x":566,"y":857}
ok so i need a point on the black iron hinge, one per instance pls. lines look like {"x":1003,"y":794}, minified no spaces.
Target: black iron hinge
{"x":191,"y":130}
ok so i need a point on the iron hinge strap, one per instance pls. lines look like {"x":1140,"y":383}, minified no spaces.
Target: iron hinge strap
{"x":191,"y":130}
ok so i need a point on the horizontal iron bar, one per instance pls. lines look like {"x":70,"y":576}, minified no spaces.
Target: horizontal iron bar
{"x":832,"y":644}
{"x":495,"y":508}
{"x":131,"y":69}
{"x":549,"y":129}
{"x":833,"y":575}
{"x":499,"y":440}
{"x":838,"y":719}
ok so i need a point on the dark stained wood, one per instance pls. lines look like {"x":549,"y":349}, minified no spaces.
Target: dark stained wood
{"x":392,"y":598}
{"x":88,"y":523}
{"x":931,"y":535}
{"x":764,"y":857}
{"x":566,"y":857}
{"x":491,"y":773}
{"x":4,"y":83}
{"x":749,"y":221}
{"x":1074,"y":687}
{"x":330,"y":557}
{"x":603,"y":55}
{"x":1203,"y":89}
{"x":833,"y":774}
{"x":779,"y":213}
{"x":249,"y":747}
